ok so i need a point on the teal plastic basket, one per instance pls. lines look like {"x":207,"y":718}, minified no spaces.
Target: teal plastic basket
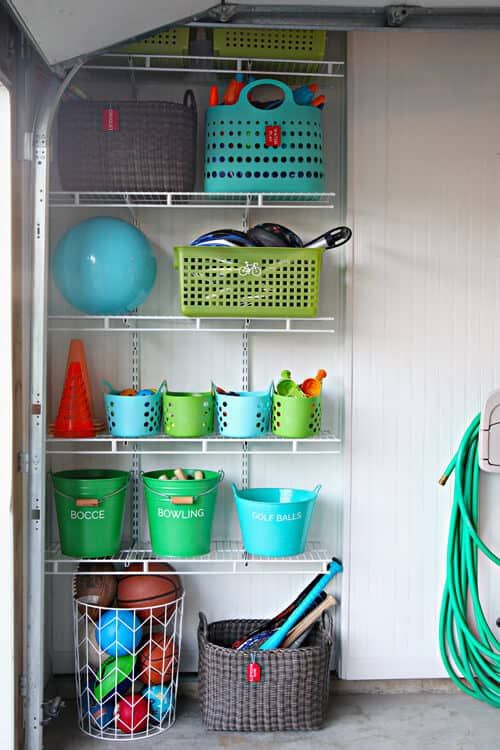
{"x":275,"y":521}
{"x":251,"y":150}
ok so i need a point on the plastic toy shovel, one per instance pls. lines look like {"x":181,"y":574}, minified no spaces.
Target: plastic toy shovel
{"x":276,"y":639}
{"x":312,"y":386}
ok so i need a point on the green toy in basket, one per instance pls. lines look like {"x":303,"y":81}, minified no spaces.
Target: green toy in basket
{"x":248,"y":149}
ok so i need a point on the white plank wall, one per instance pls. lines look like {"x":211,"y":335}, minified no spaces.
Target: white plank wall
{"x":424,"y":156}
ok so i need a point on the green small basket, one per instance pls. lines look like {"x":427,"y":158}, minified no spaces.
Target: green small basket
{"x":90,"y":504}
{"x":170,"y":42}
{"x":255,"y":282}
{"x":188,"y":415}
{"x":180,"y":530}
{"x":272,"y":44}
{"x":294,"y":417}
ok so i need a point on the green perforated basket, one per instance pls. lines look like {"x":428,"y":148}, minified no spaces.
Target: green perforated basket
{"x":255,"y":282}
{"x":173,"y":41}
{"x":272,"y":44}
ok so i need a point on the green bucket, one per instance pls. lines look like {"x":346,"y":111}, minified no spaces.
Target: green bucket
{"x":178,"y":529}
{"x":294,"y":417}
{"x":90,"y":504}
{"x":188,"y":415}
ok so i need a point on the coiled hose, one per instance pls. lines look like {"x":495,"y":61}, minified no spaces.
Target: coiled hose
{"x":470,"y":651}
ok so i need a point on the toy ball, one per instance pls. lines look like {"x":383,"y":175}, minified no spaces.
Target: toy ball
{"x":118,"y":633}
{"x":104,"y":266}
{"x":128,"y":392}
{"x":114,"y":676}
{"x":95,"y":587}
{"x":151,"y":591}
{"x":132,"y":714}
{"x":158,"y":659}
{"x":146,"y":392}
{"x":102,"y":716}
{"x":160,"y":701}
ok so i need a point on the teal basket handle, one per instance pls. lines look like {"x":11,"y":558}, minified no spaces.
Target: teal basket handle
{"x":243,"y":97}
{"x":234,"y":489}
{"x":316,"y":490}
{"x":162,"y":387}
{"x":108,"y":385}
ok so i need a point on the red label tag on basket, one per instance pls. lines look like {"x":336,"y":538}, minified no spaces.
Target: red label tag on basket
{"x":273,"y":135}
{"x":110,"y":120}
{"x":253,"y":672}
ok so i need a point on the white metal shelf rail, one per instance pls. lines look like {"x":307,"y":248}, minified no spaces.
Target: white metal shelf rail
{"x":116,"y":199}
{"x":182,"y":324}
{"x":224,"y":557}
{"x":136,"y":62}
{"x":324,"y":444}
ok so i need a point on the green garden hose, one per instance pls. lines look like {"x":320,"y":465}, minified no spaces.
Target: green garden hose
{"x":470,"y":651}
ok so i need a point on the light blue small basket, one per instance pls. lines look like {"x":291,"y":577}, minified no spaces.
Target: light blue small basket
{"x":275,"y":522}
{"x":133,"y":416}
{"x":238,"y":154}
{"x":246,"y":415}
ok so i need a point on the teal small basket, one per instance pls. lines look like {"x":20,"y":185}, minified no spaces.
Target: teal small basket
{"x":245,"y":415}
{"x":238,"y":158}
{"x":274,"y":521}
{"x":133,"y":416}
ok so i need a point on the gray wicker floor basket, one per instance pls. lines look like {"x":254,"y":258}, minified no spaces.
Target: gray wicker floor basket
{"x":153,"y":148}
{"x":294,"y":686}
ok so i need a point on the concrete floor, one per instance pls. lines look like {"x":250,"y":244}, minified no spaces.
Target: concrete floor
{"x":355,"y":722}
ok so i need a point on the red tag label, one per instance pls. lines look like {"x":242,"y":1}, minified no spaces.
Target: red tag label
{"x":110,"y":120}
{"x":253,"y":672}
{"x":273,"y":135}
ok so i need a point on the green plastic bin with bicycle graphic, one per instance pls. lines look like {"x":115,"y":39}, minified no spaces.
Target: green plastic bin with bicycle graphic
{"x":90,"y":505}
{"x":188,"y":415}
{"x":181,"y":511}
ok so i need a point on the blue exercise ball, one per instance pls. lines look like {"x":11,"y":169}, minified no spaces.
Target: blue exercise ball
{"x":119,"y":632}
{"x":104,"y":266}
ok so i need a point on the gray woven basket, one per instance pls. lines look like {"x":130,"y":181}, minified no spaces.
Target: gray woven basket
{"x":153,"y":149}
{"x":294,"y":686}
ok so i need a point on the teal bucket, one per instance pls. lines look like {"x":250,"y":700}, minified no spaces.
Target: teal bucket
{"x":275,"y":522}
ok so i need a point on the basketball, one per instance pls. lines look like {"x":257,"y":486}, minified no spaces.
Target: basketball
{"x":158,"y":660}
{"x":132,"y":714}
{"x":95,"y":587}
{"x":146,"y":592}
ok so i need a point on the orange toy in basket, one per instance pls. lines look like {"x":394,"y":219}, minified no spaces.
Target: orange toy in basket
{"x":158,"y":660}
{"x":312,"y":386}
{"x":74,"y":419}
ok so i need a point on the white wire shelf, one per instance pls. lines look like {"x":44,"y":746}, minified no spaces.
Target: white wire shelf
{"x":224,"y":557}
{"x":135,"y":199}
{"x":324,"y":443}
{"x":127,"y":61}
{"x":182,"y":324}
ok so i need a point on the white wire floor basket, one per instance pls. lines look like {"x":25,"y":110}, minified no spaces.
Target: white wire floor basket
{"x":127,"y":669}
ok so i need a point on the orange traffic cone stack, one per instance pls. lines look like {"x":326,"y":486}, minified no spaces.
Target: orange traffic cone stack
{"x":76,"y":353}
{"x":74,"y":418}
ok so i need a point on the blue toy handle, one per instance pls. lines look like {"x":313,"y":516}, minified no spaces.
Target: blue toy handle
{"x":243,"y":100}
{"x":278,"y":637}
